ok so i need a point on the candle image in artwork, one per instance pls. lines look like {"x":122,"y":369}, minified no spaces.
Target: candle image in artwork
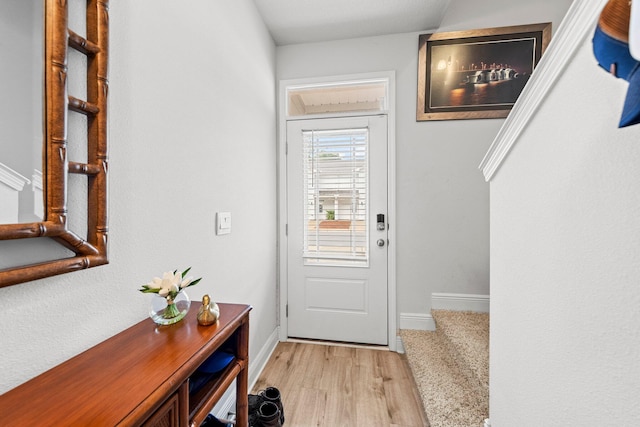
{"x":479,"y":73}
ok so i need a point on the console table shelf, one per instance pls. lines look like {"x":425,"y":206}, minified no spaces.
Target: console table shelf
{"x":139,"y":377}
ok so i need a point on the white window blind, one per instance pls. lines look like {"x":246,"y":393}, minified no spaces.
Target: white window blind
{"x":336,"y":189}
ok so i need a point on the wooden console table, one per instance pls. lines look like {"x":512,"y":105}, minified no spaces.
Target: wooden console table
{"x":139,"y":377}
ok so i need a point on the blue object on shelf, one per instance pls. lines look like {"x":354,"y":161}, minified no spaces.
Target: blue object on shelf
{"x":216,"y":362}
{"x":208,"y":369}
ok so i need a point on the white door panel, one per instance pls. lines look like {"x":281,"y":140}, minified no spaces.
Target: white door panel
{"x":336,"y":187}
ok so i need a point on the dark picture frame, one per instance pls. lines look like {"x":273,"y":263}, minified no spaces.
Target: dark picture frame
{"x":476,"y":74}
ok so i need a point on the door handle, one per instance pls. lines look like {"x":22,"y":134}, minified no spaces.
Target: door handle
{"x":380,"y":242}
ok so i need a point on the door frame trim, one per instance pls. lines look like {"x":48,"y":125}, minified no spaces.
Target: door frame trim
{"x":282,"y":243}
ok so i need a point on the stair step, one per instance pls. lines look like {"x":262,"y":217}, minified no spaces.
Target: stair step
{"x":467,"y":336}
{"x":451,"y":368}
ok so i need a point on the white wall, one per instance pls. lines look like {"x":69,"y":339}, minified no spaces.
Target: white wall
{"x":192,"y":132}
{"x":565,"y":221}
{"x":442,"y":199}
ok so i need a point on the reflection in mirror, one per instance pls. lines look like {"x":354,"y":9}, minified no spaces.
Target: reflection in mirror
{"x":42,"y":249}
{"x":21,"y":133}
{"x":77,"y":206}
{"x":76,"y":183}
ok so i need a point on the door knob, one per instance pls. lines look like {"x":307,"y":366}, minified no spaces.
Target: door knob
{"x":380,"y":242}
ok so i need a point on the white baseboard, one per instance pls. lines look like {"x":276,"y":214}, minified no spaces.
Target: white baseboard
{"x":227,"y":403}
{"x":460,"y":302}
{"x":260,"y":361}
{"x":419,"y":321}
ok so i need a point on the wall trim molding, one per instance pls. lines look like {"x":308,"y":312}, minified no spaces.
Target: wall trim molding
{"x":36,"y":180}
{"x":576,"y":25}
{"x":227,"y":403}
{"x":256,"y":366}
{"x":418,"y":321}
{"x":460,"y":302}
{"x":12,"y":178}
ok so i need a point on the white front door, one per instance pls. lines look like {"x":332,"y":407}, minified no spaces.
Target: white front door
{"x":337,"y":232}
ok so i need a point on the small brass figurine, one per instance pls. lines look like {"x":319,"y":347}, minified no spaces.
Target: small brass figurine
{"x":209,"y":312}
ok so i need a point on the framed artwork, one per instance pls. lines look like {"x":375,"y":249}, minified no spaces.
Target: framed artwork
{"x":476,"y":74}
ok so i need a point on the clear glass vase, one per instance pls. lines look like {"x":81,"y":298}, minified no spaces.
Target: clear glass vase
{"x":165,"y":312}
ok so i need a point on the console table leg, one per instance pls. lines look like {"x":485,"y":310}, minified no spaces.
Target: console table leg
{"x":242,"y":391}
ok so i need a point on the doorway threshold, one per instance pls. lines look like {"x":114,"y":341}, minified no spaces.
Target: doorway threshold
{"x":338,"y":344}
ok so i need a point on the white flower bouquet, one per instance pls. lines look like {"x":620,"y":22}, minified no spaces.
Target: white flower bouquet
{"x":168,"y":287}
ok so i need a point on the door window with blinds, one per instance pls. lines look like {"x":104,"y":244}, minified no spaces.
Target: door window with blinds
{"x":335,"y":197}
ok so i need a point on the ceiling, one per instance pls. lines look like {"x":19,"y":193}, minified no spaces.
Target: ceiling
{"x":308,"y":21}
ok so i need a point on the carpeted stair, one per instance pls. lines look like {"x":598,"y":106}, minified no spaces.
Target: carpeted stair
{"x":451,"y":368}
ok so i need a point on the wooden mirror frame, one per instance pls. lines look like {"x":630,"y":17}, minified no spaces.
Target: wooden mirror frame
{"x":58,"y":38}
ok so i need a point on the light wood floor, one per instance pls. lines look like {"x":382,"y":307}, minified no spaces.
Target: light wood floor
{"x":337,"y":386}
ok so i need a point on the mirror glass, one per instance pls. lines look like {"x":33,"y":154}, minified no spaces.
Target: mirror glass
{"x":21,"y":111}
{"x":29,"y":251}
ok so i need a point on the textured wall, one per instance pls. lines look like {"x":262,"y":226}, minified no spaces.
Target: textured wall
{"x":565,"y":221}
{"x":192,"y":132}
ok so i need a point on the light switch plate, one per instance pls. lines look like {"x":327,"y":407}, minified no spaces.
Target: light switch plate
{"x":223,"y":223}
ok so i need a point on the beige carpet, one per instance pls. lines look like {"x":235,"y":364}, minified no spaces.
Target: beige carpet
{"x":451,"y":368}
